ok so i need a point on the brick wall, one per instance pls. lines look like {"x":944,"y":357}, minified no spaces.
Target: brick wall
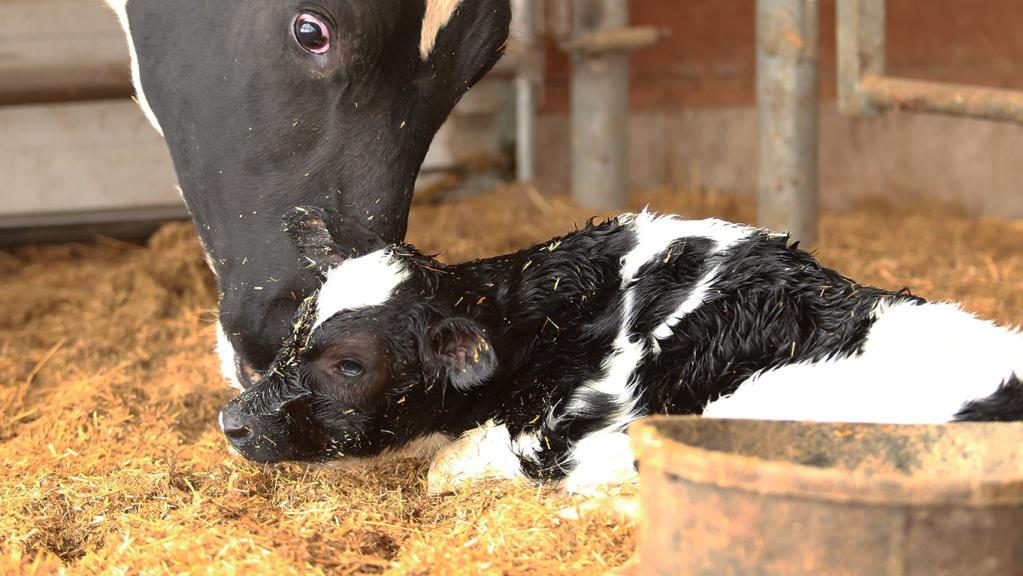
{"x":709,"y":59}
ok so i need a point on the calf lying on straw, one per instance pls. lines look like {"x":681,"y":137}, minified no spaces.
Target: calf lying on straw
{"x":540,"y":359}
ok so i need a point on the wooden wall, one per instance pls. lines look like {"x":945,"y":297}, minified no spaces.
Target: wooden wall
{"x":55,"y":50}
{"x":76,"y":151}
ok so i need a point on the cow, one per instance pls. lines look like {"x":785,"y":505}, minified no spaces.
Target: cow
{"x":267,"y":104}
{"x":541,"y":359}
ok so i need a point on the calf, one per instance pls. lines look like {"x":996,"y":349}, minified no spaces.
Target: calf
{"x":557,"y":348}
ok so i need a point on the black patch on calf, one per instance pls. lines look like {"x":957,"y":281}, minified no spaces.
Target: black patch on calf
{"x":289,"y":421}
{"x":664,"y":282}
{"x":587,"y":412}
{"x":1005,"y":405}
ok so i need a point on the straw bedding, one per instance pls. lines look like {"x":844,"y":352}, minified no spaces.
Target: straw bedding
{"x":111,"y":461}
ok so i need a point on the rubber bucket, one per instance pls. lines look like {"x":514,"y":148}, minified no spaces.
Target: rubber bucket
{"x":723,"y":497}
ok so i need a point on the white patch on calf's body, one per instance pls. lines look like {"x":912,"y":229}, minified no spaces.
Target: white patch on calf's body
{"x":360,"y":283}
{"x":616,"y":381}
{"x":660,"y":232}
{"x":920,"y":364}
{"x":120,"y":8}
{"x":438,"y":13}
{"x":654,"y":234}
{"x":693,"y":300}
{"x":602,"y":459}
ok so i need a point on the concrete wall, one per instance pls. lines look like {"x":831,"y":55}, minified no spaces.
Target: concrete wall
{"x":976,"y":164}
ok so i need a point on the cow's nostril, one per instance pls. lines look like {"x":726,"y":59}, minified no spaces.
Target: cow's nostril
{"x":239,"y":433}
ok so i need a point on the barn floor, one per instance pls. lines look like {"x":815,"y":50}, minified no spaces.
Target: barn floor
{"x":111,"y":461}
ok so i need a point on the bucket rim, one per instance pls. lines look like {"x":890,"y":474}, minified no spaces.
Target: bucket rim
{"x":654,"y":449}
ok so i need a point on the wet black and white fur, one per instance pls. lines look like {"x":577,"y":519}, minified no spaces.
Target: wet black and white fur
{"x":542,"y":358}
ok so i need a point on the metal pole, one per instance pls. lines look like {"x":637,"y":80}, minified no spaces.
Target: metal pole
{"x":600,"y":108}
{"x":787,"y":53}
{"x":861,"y":42}
{"x":526,"y":90}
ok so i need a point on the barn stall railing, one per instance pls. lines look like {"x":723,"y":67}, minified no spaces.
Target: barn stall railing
{"x":787,"y":48}
{"x":865,"y":89}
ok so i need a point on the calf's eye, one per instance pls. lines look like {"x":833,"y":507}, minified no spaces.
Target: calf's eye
{"x":312,"y":33}
{"x":350,"y":368}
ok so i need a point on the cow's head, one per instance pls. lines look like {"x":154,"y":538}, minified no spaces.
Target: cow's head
{"x":268,"y":104}
{"x":374,"y":360}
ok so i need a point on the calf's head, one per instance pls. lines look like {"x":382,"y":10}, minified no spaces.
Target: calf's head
{"x":373,"y":361}
{"x":268,"y":104}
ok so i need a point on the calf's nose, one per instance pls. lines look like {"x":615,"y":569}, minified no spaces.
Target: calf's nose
{"x":233,"y":423}
{"x":250,"y":434}
{"x":237,"y":426}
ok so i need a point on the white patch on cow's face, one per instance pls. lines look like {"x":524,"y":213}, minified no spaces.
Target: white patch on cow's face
{"x":919,"y":365}
{"x":120,"y":7}
{"x":438,"y":14}
{"x":228,"y":359}
{"x":602,"y":459}
{"x":481,"y":453}
{"x":360,"y":283}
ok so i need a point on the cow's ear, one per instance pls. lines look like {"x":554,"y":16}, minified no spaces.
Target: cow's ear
{"x":459,"y":349}
{"x":459,"y":43}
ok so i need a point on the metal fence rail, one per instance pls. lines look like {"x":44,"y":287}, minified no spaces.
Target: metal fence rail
{"x":863,"y":87}
{"x":787,"y":99}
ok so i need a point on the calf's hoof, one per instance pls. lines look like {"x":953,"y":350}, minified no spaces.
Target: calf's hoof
{"x":483,"y":453}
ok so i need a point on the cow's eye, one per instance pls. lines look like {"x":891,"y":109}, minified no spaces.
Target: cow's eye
{"x":350,"y":368}
{"x":312,"y":33}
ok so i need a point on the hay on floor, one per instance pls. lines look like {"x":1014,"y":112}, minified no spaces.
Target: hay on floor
{"x":111,"y":461}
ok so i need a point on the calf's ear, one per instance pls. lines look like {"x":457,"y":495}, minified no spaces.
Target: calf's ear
{"x":307,"y":228}
{"x":459,"y":348}
{"x":326,"y":238}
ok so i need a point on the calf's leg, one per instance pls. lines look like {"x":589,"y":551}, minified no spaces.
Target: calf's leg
{"x":481,"y":453}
